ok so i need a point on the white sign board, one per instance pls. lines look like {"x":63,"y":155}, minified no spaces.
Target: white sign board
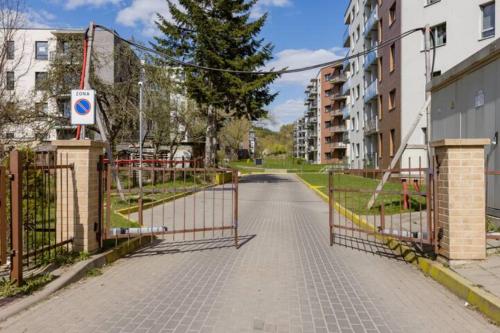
{"x":82,"y":107}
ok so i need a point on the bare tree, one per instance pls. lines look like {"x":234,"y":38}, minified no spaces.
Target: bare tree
{"x":16,"y":109}
{"x":233,"y":134}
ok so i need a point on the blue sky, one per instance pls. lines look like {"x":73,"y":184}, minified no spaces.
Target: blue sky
{"x":304,"y":32}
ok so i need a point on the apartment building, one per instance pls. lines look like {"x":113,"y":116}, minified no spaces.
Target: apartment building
{"x":299,"y":138}
{"x":311,"y":122}
{"x":354,"y":87}
{"x":319,"y":136}
{"x":394,"y":76}
{"x":331,"y":120}
{"x":31,"y":54}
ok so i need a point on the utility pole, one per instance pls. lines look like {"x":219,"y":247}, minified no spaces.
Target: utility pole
{"x":428,"y":78}
{"x":141,"y":126}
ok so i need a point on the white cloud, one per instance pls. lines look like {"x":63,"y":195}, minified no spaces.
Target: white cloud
{"x":143,"y":12}
{"x":285,"y":113}
{"x":295,"y":58}
{"x":263,"y":6}
{"x":72,"y":4}
{"x":37,"y":18}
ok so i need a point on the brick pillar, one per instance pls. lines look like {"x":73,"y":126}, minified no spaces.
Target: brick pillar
{"x":78,"y":192}
{"x":461,"y":200}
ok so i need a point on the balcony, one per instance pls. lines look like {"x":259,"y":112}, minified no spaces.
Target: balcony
{"x":337,"y":129}
{"x":338,"y":145}
{"x":346,"y":87}
{"x":67,"y":58}
{"x":345,"y":137}
{"x":346,"y":38}
{"x":371,"y":59}
{"x":371,"y":21}
{"x":336,"y":113}
{"x":345,"y":111}
{"x":346,"y":64}
{"x":371,"y":91}
{"x":338,"y":96}
{"x":371,"y":126}
{"x":339,"y":78}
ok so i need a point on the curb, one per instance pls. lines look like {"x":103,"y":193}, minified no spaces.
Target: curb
{"x":479,"y":299}
{"x":75,"y":273}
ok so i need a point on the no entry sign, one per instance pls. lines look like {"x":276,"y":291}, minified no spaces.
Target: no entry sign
{"x":82,"y":107}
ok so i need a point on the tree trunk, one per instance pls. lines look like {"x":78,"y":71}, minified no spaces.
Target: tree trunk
{"x":210,"y":139}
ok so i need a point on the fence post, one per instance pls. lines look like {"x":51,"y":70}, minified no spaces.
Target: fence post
{"x":83,"y":187}
{"x":16,"y":173}
{"x":461,"y":203}
{"x":3,"y":216}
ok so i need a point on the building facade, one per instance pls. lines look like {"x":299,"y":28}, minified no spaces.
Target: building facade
{"x":34,"y":51}
{"x":319,"y":136}
{"x":395,"y":75}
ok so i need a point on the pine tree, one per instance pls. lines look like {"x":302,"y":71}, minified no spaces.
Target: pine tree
{"x":219,"y":34}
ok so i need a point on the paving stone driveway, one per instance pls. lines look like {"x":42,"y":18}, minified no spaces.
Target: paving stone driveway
{"x":285,"y":279}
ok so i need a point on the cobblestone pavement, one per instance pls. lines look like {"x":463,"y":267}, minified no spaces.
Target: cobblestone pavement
{"x":284,"y":279}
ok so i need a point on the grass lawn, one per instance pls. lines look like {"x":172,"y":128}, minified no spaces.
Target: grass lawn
{"x":151,"y":193}
{"x":358,"y":201}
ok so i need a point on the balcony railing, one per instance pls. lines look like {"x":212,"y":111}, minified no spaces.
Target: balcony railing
{"x":337,"y":129}
{"x":345,"y":137}
{"x":338,"y":96}
{"x":371,"y":126}
{"x":345,"y":111}
{"x":370,"y":58}
{"x":371,"y":91}
{"x":336,"y":113}
{"x":338,"y":145}
{"x":346,"y":38}
{"x":338,"y":78}
{"x":346,"y":87}
{"x":372,"y":19}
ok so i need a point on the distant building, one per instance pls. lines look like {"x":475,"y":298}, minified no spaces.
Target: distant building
{"x":387,"y":86}
{"x":319,"y":136}
{"x":466,"y":104}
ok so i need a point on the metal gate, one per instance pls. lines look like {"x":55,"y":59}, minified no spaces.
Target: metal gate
{"x":403,"y":209}
{"x":173,"y":200}
{"x":34,"y":204}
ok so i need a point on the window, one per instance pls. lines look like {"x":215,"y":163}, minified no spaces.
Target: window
{"x":9,"y":135}
{"x":357,"y":149}
{"x":64,"y":107}
{"x":41,"y":108}
{"x":10,"y":81}
{"x":436,"y":74}
{"x":391,"y":142}
{"x":357,"y":123}
{"x":358,"y":33}
{"x":10,"y":49}
{"x":358,"y":91}
{"x":424,"y":133}
{"x":380,"y":145}
{"x":392,"y":60}
{"x":392,"y":14}
{"x":42,"y":50}
{"x":380,"y":107}
{"x":439,"y":32}
{"x":379,"y":68}
{"x":40,"y":79}
{"x":392,"y":100}
{"x":488,"y":25}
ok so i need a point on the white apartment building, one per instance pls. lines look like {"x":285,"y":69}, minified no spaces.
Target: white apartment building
{"x":393,"y":78}
{"x":354,"y":40}
{"x":30,"y":55}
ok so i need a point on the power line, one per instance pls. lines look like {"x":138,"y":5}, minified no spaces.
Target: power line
{"x":279,"y":72}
